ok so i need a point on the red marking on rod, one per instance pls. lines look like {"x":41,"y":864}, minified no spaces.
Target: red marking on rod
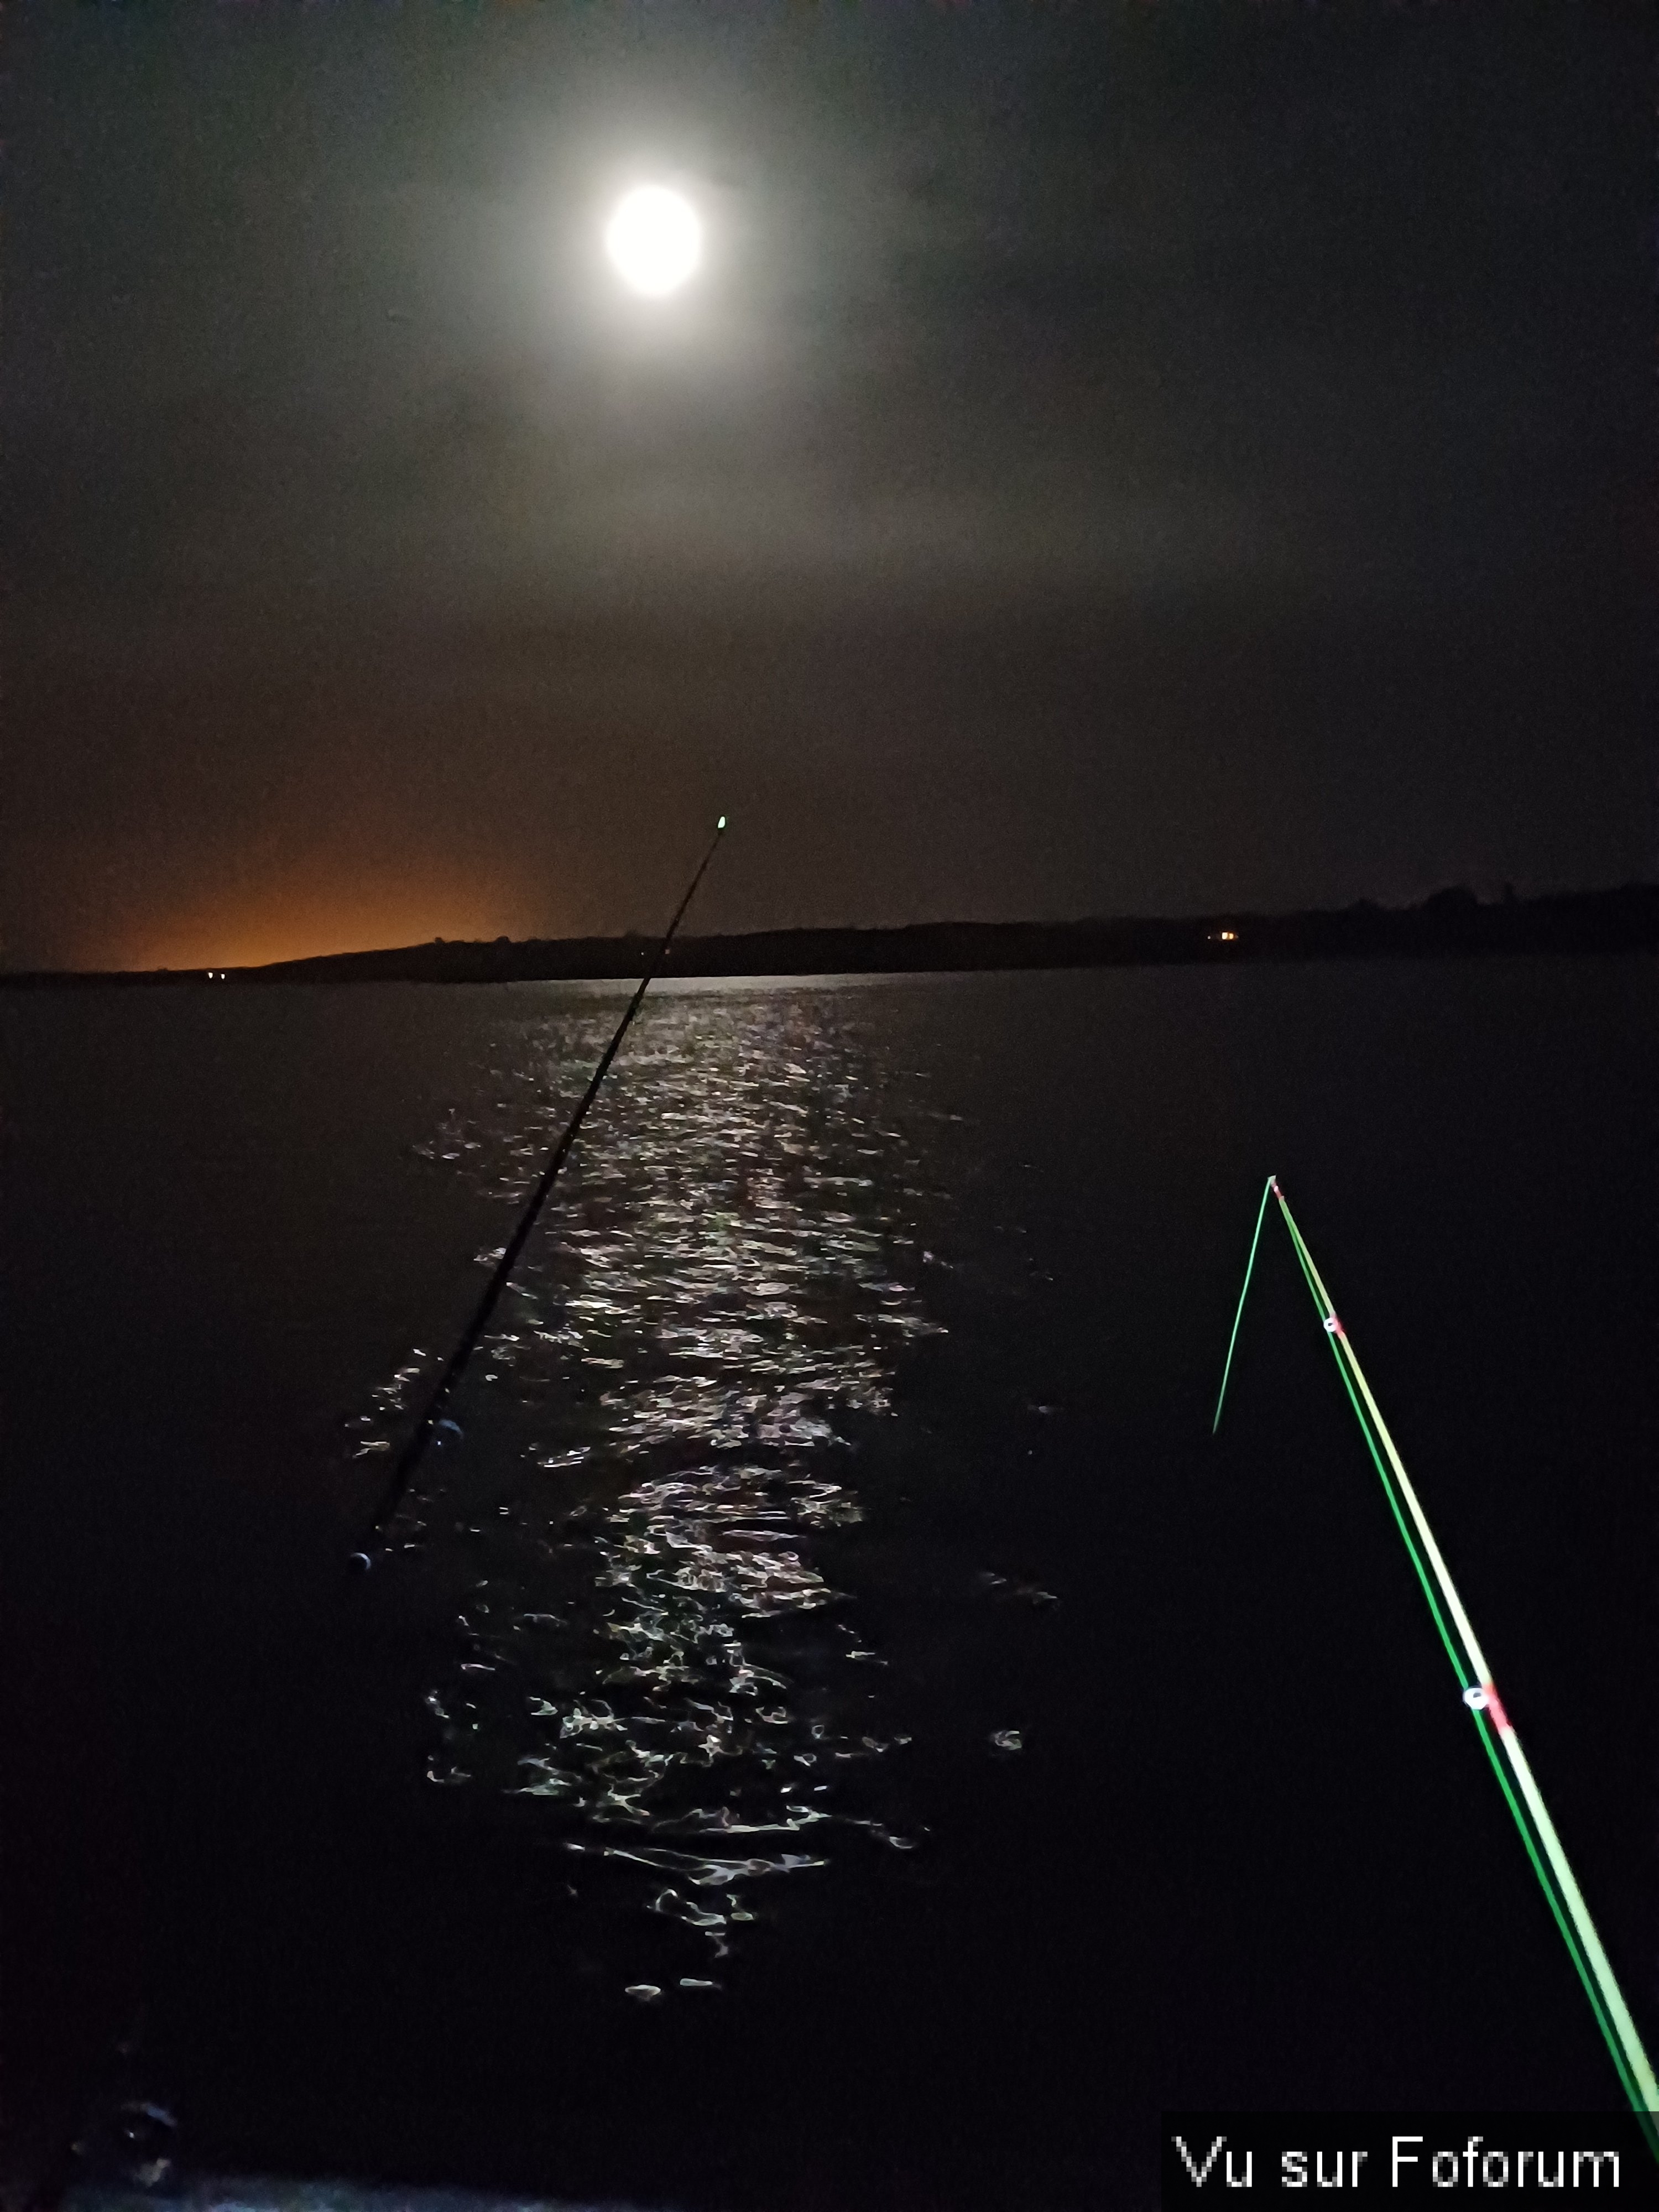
{"x":1495,"y":1707}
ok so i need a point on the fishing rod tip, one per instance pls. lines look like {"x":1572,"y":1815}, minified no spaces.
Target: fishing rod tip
{"x":720,"y":825}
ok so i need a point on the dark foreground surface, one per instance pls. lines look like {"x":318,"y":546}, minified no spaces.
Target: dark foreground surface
{"x":843,"y":1734}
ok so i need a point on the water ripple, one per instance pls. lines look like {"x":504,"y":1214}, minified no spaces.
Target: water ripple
{"x":651,"y":1659}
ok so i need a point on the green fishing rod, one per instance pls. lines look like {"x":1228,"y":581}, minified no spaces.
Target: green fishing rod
{"x":421,"y":1435}
{"x":1496,"y":1731}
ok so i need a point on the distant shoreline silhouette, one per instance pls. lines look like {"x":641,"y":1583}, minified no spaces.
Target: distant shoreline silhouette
{"x":1453,"y":921}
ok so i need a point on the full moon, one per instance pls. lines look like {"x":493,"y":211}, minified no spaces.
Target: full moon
{"x":654,"y":241}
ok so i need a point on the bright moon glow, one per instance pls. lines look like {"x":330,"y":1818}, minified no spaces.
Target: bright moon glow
{"x":654,"y":241}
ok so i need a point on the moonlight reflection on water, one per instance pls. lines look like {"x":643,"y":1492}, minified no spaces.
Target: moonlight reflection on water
{"x":724,"y":1521}
{"x":648,"y":1656}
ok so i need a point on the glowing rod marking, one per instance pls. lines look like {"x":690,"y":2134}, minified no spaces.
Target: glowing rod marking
{"x":421,"y":1434}
{"x":1480,"y":1695}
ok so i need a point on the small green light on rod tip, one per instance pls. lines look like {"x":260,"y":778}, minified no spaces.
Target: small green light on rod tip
{"x":721,"y":824}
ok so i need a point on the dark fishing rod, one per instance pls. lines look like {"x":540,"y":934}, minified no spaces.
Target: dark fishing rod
{"x":421,"y":1435}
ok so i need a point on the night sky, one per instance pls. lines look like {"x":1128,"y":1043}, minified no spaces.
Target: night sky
{"x":1138,"y":459}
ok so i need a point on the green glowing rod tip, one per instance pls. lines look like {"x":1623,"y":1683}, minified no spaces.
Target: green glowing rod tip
{"x":721,"y":824}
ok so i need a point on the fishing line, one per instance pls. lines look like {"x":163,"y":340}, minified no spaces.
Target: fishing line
{"x":1520,"y":1789}
{"x":421,"y":1435}
{"x":1250,"y":1269}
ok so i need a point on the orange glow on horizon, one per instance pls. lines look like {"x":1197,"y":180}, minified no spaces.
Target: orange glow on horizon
{"x":301,"y":927}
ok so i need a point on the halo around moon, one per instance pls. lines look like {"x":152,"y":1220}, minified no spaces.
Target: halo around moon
{"x":654,"y":240}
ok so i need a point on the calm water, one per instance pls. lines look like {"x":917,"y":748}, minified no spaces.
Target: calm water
{"x":832,"y":1730}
